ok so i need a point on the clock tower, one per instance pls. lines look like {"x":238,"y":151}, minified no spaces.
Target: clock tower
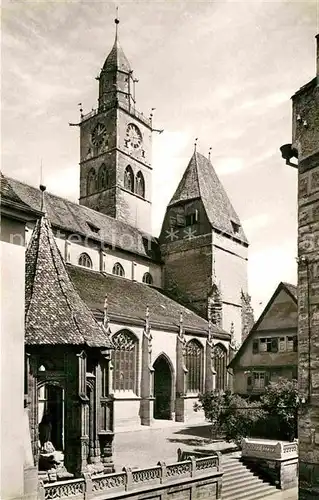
{"x":115,"y":147}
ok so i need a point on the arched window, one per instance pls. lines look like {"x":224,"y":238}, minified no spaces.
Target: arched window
{"x":194,"y":364}
{"x":91,"y":182}
{"x":129,"y":179}
{"x":220,"y":365}
{"x":85,"y":260}
{"x":103,"y":182}
{"x":118,"y":270}
{"x":148,"y":279}
{"x":140,"y":184}
{"x":124,"y":358}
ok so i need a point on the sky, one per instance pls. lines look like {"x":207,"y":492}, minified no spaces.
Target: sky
{"x":222,"y":72}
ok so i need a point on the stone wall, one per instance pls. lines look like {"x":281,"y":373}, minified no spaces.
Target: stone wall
{"x":306,"y":141}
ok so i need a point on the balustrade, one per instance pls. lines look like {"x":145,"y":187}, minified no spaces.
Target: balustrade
{"x":276,"y":450}
{"x":127,"y":480}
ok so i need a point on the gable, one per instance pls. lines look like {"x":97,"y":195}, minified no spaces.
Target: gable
{"x":281,"y":313}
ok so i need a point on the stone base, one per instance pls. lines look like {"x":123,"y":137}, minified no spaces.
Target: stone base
{"x":281,"y":473}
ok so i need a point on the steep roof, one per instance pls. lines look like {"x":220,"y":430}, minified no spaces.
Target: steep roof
{"x":55,"y":313}
{"x":10,"y":198}
{"x":116,"y":60}
{"x":80,"y":220}
{"x":128,"y":301}
{"x":292,"y":292}
{"x":200,"y":181}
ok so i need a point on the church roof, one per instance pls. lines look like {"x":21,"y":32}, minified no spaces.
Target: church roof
{"x":55,"y":313}
{"x":117,"y":60}
{"x":83,"y":221}
{"x":128,"y":300}
{"x":10,"y":198}
{"x":201,"y":181}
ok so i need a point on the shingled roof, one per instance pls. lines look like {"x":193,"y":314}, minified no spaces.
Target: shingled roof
{"x":80,"y":220}
{"x":116,"y":60}
{"x":200,"y":181}
{"x":55,"y":313}
{"x":10,"y":198}
{"x":128,"y":301}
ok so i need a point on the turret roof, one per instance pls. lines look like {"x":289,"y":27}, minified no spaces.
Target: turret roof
{"x":55,"y":313}
{"x":201,"y":181}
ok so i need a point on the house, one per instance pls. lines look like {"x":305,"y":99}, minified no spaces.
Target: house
{"x":270,"y":349}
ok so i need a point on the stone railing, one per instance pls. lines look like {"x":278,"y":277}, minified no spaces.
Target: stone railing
{"x":129,"y":480}
{"x":269,"y":450}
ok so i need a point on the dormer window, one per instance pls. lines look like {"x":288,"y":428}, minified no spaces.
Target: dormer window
{"x":235,"y":226}
{"x":93,"y":228}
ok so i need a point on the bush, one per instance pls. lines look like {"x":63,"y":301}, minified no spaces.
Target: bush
{"x":230,"y":414}
{"x":273,"y":416}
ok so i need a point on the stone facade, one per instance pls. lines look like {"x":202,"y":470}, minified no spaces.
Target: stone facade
{"x":306,"y":142}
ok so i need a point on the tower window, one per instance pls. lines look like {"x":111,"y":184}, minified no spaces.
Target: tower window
{"x":118,"y":270}
{"x":85,"y":260}
{"x":104,"y":177}
{"x":191,"y":219}
{"x":140,"y":184}
{"x":148,"y":279}
{"x":91,"y":182}
{"x":129,"y":179}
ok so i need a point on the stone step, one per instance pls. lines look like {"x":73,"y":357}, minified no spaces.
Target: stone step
{"x":230,"y":485}
{"x":235,"y":474}
{"x":228,"y":467}
{"x":256,"y":494}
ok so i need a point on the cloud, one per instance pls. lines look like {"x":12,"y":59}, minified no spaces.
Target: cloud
{"x":225,"y":166}
{"x":255,"y":223}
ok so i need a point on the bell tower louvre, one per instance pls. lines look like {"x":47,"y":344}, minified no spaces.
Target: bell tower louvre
{"x":115,"y":147}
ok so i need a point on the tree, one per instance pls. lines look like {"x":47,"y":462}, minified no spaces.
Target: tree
{"x":281,"y":401}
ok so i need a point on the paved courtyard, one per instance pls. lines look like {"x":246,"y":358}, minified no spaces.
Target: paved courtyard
{"x":145,"y":447}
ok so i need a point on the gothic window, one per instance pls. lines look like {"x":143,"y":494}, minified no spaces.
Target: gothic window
{"x":220,"y":365}
{"x":85,"y":260}
{"x":118,"y":270}
{"x":124,"y":358}
{"x":148,"y":279}
{"x":129,"y":179}
{"x":194,"y":365}
{"x":140,"y":184}
{"x":103,"y":177}
{"x":91,"y":182}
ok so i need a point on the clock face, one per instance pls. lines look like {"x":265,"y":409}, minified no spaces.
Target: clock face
{"x":134,"y":136}
{"x":98,"y":135}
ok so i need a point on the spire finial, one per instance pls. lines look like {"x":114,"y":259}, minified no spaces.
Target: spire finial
{"x":195,"y":145}
{"x":117,"y":22}
{"x":42,"y":189}
{"x":209,"y":151}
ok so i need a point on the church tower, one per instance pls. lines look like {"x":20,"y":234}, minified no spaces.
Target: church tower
{"x":205,"y":250}
{"x":115,"y":147}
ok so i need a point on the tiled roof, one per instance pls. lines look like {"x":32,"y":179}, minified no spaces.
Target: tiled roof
{"x":129,"y":299}
{"x":116,"y":60}
{"x":55,"y":313}
{"x":200,"y":181}
{"x":81,"y":220}
{"x":9,"y":196}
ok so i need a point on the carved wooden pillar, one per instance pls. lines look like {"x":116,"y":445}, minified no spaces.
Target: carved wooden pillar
{"x":209,"y":368}
{"x":106,"y":415}
{"x":77,"y":408}
{"x":32,"y":403}
{"x":147,"y":374}
{"x":181,"y":372}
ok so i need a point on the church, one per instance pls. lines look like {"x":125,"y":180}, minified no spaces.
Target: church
{"x":174,"y":307}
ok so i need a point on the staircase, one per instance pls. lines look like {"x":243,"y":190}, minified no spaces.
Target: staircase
{"x":239,"y":483}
